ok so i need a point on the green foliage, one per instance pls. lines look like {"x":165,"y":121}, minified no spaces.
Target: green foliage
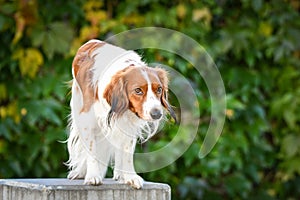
{"x":255,"y":45}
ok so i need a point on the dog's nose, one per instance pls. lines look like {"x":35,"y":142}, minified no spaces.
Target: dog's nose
{"x":156,"y":113}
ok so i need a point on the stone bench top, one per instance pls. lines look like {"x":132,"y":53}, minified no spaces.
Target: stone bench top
{"x":65,"y":189}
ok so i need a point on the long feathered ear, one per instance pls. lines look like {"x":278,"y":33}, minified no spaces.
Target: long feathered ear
{"x":116,"y":96}
{"x":163,"y":76}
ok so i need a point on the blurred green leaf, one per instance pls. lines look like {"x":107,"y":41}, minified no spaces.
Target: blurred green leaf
{"x":54,"y":38}
{"x":291,"y":145}
{"x":237,"y":183}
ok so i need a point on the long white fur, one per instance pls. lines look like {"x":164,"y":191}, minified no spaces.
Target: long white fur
{"x":91,"y":143}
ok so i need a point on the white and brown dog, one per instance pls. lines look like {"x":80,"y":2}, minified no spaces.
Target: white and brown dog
{"x":116,"y":100}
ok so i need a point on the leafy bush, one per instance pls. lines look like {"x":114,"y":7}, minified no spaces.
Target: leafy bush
{"x":255,"y":45}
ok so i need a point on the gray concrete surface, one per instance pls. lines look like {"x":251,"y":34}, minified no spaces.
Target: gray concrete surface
{"x":64,"y":189}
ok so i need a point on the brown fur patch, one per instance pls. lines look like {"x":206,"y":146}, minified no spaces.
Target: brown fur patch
{"x":115,"y":94}
{"x":81,"y":65}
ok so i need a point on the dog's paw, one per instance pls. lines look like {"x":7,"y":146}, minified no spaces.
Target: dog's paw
{"x":75,"y":175}
{"x":133,"y":180}
{"x":117,"y":175}
{"x":93,"y":180}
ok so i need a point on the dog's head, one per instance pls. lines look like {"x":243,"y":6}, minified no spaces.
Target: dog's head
{"x":142,"y":90}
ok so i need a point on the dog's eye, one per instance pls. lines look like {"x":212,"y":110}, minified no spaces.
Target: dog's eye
{"x":159,"y":90}
{"x":138,"y":91}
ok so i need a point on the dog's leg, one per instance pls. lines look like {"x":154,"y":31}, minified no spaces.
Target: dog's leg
{"x":88,"y":130}
{"x":97,"y":159}
{"x":93,"y":172}
{"x":77,"y":158}
{"x":124,"y":170}
{"x":103,"y":153}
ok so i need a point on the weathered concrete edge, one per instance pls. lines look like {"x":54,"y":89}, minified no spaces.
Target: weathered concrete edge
{"x":62,"y":183}
{"x":48,"y":185}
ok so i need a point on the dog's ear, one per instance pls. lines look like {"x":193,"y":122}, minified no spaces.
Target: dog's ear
{"x":163,"y":77}
{"x":116,"y":96}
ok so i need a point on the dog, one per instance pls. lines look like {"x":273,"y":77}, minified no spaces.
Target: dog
{"x":116,"y":100}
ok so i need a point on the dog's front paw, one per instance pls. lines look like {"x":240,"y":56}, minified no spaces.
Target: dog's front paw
{"x":74,"y":175}
{"x":118,"y":176}
{"x":133,"y":180}
{"x":93,"y":180}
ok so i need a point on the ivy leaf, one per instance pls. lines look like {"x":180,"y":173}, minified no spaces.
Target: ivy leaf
{"x":237,"y":183}
{"x":63,"y":35}
{"x":3,"y":92}
{"x":38,"y":34}
{"x":54,"y":38}
{"x":290,"y":145}
{"x":257,"y":4}
{"x":21,"y":22}
{"x":30,"y":61}
{"x":265,"y":29}
{"x":181,"y":11}
{"x":48,"y":45}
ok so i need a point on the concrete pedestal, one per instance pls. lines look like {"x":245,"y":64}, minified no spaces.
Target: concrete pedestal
{"x":64,"y":189}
